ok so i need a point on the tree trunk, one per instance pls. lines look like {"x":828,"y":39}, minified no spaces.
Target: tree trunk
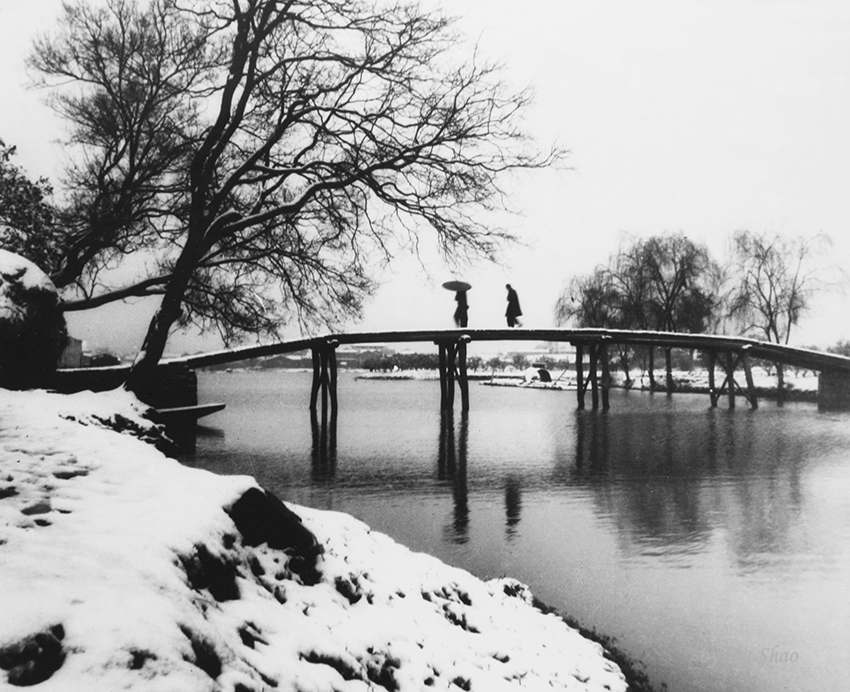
{"x":165,"y":316}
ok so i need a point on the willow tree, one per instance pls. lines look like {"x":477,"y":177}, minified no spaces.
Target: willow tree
{"x":263,"y":155}
{"x":595,"y":300}
{"x":664,"y":282}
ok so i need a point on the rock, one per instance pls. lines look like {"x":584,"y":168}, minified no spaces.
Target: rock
{"x":215,"y":574}
{"x":35,"y":658}
{"x":261,"y":517}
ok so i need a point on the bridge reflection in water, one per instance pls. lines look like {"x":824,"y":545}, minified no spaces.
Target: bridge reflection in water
{"x":669,"y":482}
{"x":663,"y":476}
{"x":451,"y":469}
{"x":666,"y":472}
{"x":323,"y":450}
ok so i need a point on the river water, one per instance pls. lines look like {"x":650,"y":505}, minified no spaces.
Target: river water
{"x":713,"y":545}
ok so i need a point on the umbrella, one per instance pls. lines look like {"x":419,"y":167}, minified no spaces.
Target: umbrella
{"x":457,"y":285}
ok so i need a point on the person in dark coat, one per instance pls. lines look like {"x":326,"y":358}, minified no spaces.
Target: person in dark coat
{"x":513,"y":312}
{"x":461,"y":317}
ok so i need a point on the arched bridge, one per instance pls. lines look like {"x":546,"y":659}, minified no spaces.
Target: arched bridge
{"x":732,"y":355}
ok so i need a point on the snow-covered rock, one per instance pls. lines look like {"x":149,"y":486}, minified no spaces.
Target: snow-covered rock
{"x":122,"y":569}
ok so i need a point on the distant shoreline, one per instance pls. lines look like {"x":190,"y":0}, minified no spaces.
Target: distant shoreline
{"x":681,"y":385}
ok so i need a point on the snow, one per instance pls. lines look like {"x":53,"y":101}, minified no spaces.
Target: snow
{"x":30,"y":276}
{"x":15,"y":269}
{"x":96,"y":531}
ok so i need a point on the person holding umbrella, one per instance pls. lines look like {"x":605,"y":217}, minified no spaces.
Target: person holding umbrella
{"x":461,"y":312}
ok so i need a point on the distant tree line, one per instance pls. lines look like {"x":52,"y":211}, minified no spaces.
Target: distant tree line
{"x":430,"y":361}
{"x":670,"y":283}
{"x":413,"y":361}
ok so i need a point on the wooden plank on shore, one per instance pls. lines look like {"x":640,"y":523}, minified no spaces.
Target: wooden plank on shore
{"x":186,"y":414}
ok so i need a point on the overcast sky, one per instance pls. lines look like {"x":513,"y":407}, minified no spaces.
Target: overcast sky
{"x":701,"y":117}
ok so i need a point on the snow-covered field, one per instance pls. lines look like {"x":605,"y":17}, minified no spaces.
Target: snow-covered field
{"x":122,"y":569}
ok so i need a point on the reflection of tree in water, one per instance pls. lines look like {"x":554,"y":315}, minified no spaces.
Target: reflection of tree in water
{"x":765,"y":505}
{"x":668,"y":479}
{"x":323,"y":451}
{"x":451,"y":466}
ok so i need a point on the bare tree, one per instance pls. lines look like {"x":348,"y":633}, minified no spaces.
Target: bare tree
{"x":774,"y":284}
{"x":263,"y":154}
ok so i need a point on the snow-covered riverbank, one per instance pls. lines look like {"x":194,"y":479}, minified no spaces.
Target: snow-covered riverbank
{"x":122,"y":569}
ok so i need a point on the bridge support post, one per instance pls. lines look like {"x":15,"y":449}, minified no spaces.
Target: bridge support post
{"x":324,"y":377}
{"x":462,"y":378}
{"x":712,"y":389}
{"x":593,"y":376}
{"x":580,"y":386}
{"x":748,"y":373}
{"x":606,"y":375}
{"x":834,"y":390}
{"x":730,"y":377}
{"x":443,"y":377}
{"x":452,"y":364}
{"x":730,"y":360}
{"x":317,"y":377}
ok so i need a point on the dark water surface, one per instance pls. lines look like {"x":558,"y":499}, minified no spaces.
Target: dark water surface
{"x":713,"y":545}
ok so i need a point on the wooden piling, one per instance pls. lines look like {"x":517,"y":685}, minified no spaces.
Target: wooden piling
{"x":730,"y":377}
{"x":606,"y":375}
{"x":593,"y":375}
{"x":324,"y":378}
{"x":580,"y":375}
{"x":668,"y":369}
{"x":450,"y":375}
{"x":317,"y":377}
{"x":323,"y":367}
{"x":332,"y":374}
{"x":462,"y":379}
{"x":712,"y":391}
{"x":441,"y":366}
{"x":748,"y":373}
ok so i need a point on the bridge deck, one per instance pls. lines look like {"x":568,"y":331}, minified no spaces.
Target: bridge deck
{"x":800,"y":357}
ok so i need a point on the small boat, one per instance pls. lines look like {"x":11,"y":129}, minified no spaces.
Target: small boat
{"x":521,"y":384}
{"x":536,"y":377}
